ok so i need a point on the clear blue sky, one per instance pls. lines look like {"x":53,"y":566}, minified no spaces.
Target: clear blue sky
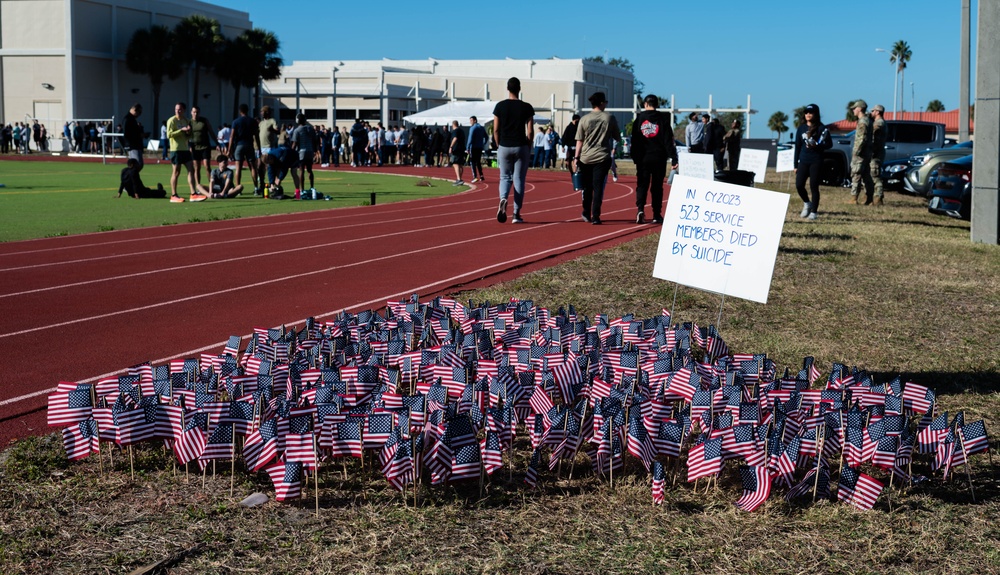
{"x":783,"y":53}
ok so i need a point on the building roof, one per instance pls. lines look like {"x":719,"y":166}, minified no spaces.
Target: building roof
{"x":949,"y":119}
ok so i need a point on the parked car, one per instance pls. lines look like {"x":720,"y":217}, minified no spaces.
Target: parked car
{"x":917,"y":178}
{"x":893,"y":172}
{"x":904,"y":138}
{"x":952,"y":191}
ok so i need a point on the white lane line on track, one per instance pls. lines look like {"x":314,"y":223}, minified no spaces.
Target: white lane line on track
{"x":437,"y":285}
{"x":561,"y":247}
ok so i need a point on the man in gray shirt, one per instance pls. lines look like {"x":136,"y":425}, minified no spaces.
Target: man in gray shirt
{"x":694,"y":134}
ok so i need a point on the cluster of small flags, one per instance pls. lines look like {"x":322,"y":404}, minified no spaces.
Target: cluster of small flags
{"x":440,"y":389}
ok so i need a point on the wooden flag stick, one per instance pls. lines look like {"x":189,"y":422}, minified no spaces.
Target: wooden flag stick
{"x":579,"y":439}
{"x":821,"y":439}
{"x":131,"y":461}
{"x":968,"y":472}
{"x":316,"y":459}
{"x":232,"y":466}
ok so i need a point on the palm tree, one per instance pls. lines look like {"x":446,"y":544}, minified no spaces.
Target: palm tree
{"x":935,"y":106}
{"x":150,"y":52}
{"x":198,"y":40}
{"x":249,"y":58}
{"x":899,"y":56}
{"x":776,"y":123}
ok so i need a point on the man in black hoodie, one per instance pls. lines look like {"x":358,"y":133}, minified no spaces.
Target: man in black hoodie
{"x":652,"y":145}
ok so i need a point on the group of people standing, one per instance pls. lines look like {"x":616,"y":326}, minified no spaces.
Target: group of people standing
{"x":812,"y":138}
{"x":705,"y":135}
{"x":16,"y":138}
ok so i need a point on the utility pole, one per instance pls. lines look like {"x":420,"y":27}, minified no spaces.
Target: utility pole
{"x":963,"y":82}
{"x":985,"y":167}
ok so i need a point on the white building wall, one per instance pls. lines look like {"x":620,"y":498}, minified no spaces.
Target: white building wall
{"x":555,"y":87}
{"x":67,"y":57}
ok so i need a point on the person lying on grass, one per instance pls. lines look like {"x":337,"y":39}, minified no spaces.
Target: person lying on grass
{"x":132,"y":183}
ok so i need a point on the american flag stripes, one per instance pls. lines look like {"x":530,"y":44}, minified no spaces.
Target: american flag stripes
{"x":81,"y":440}
{"x":705,"y":459}
{"x":659,"y":481}
{"x":858,"y":489}
{"x":287,"y":479}
{"x":756,"y":487}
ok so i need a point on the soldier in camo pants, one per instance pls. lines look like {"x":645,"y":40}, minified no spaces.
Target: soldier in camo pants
{"x":878,"y":150}
{"x":862,"y":155}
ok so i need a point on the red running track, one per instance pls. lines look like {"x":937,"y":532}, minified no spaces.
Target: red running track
{"x":82,"y":307}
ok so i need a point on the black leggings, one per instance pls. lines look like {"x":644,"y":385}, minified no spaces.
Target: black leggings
{"x":808,"y":170}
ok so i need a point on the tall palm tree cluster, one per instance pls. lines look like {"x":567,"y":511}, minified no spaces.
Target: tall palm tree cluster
{"x":197,"y":43}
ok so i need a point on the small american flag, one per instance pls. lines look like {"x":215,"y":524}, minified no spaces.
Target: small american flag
{"x":756,"y":487}
{"x":806,"y":486}
{"x":659,"y":481}
{"x":261,"y":446}
{"x":858,"y":489}
{"x":705,"y":459}
{"x":70,"y":407}
{"x":300,"y":447}
{"x":287,"y":479}
{"x":190,"y":444}
{"x":81,"y":440}
{"x":220,"y":444}
{"x":917,"y":398}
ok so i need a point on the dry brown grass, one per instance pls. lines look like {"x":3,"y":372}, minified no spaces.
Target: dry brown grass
{"x":895,"y":290}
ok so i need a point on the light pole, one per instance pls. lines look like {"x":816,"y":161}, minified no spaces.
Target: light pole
{"x":912,"y":108}
{"x":895,"y":81}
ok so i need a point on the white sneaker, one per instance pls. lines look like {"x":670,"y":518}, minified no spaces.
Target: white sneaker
{"x":474,"y":180}
{"x":806,"y":209}
{"x":812,"y":216}
{"x":615,"y":177}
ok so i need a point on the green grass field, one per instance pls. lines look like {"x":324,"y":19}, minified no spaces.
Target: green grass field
{"x":894,"y":290}
{"x":42,"y":199}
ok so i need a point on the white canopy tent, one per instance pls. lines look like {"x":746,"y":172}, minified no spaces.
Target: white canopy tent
{"x":460,"y":112}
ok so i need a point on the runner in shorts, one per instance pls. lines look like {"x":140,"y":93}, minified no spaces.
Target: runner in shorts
{"x":201,"y":143}
{"x":303,"y":141}
{"x":179,"y":135}
{"x":241,"y":145}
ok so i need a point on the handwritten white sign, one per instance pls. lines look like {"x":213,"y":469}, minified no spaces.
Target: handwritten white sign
{"x":755,"y":161}
{"x":721,"y":237}
{"x":696,"y":165}
{"x":786,"y":160}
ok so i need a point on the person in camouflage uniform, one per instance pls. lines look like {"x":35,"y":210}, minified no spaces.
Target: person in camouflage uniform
{"x":878,"y":150}
{"x":862,"y":154}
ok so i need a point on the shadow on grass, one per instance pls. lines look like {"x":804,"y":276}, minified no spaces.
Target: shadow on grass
{"x":812,"y":252}
{"x":949,"y":383}
{"x":817,"y":236}
{"x":945,"y":224}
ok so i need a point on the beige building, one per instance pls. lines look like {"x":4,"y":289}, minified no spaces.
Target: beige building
{"x":65,"y":59}
{"x":388,"y":90}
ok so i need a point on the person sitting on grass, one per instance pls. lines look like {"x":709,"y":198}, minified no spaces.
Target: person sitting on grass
{"x":222,"y":180}
{"x":132,"y":184}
